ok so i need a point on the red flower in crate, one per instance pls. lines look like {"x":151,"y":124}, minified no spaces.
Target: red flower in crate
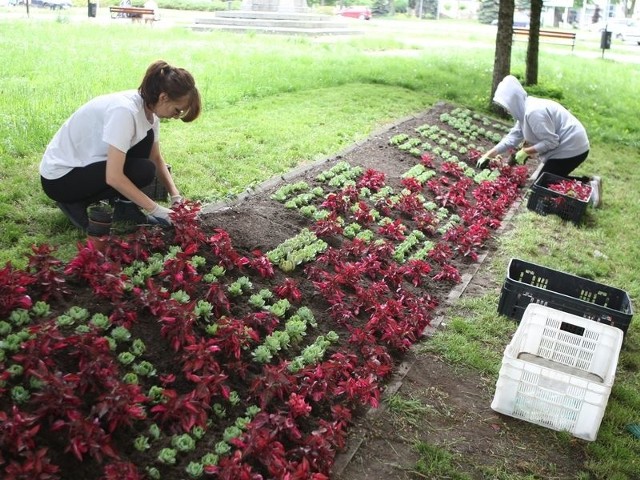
{"x":572,"y":188}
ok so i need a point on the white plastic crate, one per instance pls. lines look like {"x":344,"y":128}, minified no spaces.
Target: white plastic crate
{"x":558,"y":371}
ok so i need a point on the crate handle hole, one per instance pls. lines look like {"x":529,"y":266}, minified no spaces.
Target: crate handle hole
{"x":575,"y":329}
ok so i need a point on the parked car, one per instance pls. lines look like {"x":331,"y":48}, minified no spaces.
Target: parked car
{"x":521,"y":20}
{"x":632,"y":35}
{"x":620,"y":28}
{"x":52,"y":4}
{"x":627,"y":31}
{"x":356,"y":11}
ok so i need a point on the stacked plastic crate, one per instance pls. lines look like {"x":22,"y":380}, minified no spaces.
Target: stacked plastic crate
{"x":530,"y":283}
{"x":558,"y":371}
{"x":560,"y":365}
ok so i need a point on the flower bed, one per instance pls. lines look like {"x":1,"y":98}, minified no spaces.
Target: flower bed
{"x":208,"y":351}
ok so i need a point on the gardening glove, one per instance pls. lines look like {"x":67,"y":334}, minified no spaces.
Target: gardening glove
{"x":482,"y":161}
{"x":521,"y":157}
{"x":176,"y":199}
{"x":160,"y":215}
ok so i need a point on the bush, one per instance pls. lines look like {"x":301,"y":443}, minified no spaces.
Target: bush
{"x":401,"y":6}
{"x":196,"y":5}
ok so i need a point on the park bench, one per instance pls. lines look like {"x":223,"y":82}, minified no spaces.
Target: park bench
{"x":136,"y":14}
{"x":555,"y":36}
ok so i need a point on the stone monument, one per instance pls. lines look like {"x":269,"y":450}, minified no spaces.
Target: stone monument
{"x":288,"y":17}
{"x":284,"y":6}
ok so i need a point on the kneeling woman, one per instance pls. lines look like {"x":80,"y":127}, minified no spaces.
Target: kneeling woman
{"x":109,"y":149}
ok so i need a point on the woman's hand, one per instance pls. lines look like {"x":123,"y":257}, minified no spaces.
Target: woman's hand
{"x":161,"y":215}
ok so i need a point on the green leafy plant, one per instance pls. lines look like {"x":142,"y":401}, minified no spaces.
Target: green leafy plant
{"x":40,"y":309}
{"x":167,"y":456}
{"x":183,"y":443}
{"x":141,"y":443}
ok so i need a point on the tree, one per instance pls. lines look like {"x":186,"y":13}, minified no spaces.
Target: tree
{"x":380,"y":7}
{"x":488,"y":11}
{"x":502,"y":58}
{"x":531,"y":74}
{"x":629,"y":8}
{"x":425,"y":8}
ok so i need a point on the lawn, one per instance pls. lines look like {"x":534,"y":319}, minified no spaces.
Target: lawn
{"x":273,"y":103}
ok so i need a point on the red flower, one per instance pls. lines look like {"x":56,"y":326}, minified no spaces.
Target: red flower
{"x":372,"y":179}
{"x":12,"y":290}
{"x":288,"y":289}
{"x":299,"y":407}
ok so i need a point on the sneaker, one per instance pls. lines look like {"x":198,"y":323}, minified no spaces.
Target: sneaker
{"x":125,"y":211}
{"x":596,"y":191}
{"x":76,"y":212}
{"x":127,"y":217}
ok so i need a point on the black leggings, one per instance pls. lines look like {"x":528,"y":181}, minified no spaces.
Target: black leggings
{"x":89,"y":184}
{"x":564,"y":166}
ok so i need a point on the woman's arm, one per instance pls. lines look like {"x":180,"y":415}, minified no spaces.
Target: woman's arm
{"x":162,"y":172}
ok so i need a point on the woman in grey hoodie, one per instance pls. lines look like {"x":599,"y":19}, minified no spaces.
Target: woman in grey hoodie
{"x":545,"y":129}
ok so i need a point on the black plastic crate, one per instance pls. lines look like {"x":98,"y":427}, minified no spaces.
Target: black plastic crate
{"x":545,"y":201}
{"x":528,"y":282}
{"x":156,"y":190}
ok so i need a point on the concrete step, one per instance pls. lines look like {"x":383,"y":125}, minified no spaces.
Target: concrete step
{"x":275,"y":22}
{"x":272,"y":15}
{"x":272,"y":22}
{"x":274,"y":30}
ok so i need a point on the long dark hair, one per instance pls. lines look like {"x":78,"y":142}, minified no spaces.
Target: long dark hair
{"x":175,"y":82}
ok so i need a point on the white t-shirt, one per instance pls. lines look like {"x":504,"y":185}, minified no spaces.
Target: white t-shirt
{"x":116,"y":119}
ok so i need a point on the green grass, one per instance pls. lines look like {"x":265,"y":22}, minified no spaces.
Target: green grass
{"x":437,"y":462}
{"x":410,"y":409}
{"x":272,"y":103}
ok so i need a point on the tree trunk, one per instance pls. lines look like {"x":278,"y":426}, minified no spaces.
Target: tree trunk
{"x":629,"y":8}
{"x":557,"y":16}
{"x":502,"y":58}
{"x":531,"y":73}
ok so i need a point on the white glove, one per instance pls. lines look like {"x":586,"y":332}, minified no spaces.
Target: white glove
{"x":176,"y":199}
{"x":482,"y":161}
{"x":160,"y":214}
{"x":521,"y":157}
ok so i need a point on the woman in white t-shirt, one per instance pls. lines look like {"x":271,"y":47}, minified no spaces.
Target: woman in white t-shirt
{"x":109,"y":148}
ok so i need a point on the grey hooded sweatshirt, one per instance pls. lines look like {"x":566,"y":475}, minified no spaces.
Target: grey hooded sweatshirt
{"x":543,"y":124}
